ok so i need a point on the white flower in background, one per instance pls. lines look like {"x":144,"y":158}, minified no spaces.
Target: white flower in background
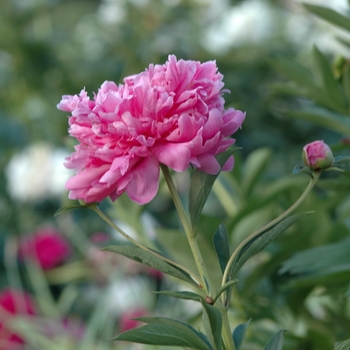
{"x":37,"y":173}
{"x":307,"y":29}
{"x":249,"y":22}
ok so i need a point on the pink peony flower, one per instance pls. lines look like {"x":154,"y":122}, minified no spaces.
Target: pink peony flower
{"x":12,"y":303}
{"x":172,"y":114}
{"x":48,"y":246}
{"x":317,"y":155}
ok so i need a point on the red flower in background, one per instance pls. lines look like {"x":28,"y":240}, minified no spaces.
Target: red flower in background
{"x":171,"y":114}
{"x":127,"y":321}
{"x":12,"y":303}
{"x":48,"y":246}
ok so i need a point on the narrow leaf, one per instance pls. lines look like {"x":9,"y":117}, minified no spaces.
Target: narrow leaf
{"x":329,"y":85}
{"x":70,"y":207}
{"x":254,"y":166}
{"x":239,"y":334}
{"x":344,"y":345}
{"x":301,"y":169}
{"x":148,"y":259}
{"x":167,"y":332}
{"x":212,"y":321}
{"x":340,"y":159}
{"x":222,"y":246}
{"x":201,"y":185}
{"x":276,"y":342}
{"x":329,"y":15}
{"x":182,"y":295}
{"x":346,"y":84}
{"x":225,"y":287}
{"x":331,"y":120}
{"x":258,"y":243}
{"x":295,"y":72}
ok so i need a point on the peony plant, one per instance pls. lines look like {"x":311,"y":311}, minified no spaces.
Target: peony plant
{"x":169,"y":118}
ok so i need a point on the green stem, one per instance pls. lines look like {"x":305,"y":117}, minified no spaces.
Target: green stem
{"x":226,"y":329}
{"x":188,"y":229}
{"x":118,"y":229}
{"x":314,"y":178}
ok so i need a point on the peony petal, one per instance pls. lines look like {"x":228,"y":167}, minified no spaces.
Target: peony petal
{"x":175,"y":156}
{"x":145,"y":178}
{"x":228,"y":166}
{"x":86,"y":177}
{"x":208,"y":164}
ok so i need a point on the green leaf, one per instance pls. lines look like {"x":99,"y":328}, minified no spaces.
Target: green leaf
{"x":301,"y":169}
{"x":148,"y":259}
{"x":182,"y":295}
{"x":72,"y":207}
{"x":322,"y":264}
{"x":239,"y":334}
{"x":254,"y":166}
{"x":201,"y":185}
{"x":344,"y":345}
{"x":340,"y":159}
{"x":330,"y":120}
{"x":295,"y":72}
{"x":263,"y":240}
{"x":212,"y":321}
{"x":329,"y":85}
{"x":276,"y":342}
{"x":222,"y":246}
{"x":226,"y":286}
{"x":346,"y":84}
{"x":329,"y":15}
{"x":167,"y":332}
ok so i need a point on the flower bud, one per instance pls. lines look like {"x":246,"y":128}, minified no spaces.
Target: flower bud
{"x":317,"y":155}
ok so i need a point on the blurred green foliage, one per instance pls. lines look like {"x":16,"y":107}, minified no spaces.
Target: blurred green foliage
{"x":293,"y":94}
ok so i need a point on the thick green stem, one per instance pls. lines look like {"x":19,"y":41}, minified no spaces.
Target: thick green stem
{"x":187,"y":228}
{"x":226,"y":329}
{"x":272,"y":223}
{"x":118,"y":229}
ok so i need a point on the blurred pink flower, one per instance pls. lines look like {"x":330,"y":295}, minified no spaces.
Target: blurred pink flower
{"x":12,"y":303}
{"x":317,"y":155}
{"x":48,"y":246}
{"x":172,"y":114}
{"x":127,"y":321}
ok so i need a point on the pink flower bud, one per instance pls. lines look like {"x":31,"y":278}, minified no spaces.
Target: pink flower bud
{"x":317,"y":155}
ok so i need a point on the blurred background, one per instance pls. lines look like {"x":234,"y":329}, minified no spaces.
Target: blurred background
{"x":285,"y":64}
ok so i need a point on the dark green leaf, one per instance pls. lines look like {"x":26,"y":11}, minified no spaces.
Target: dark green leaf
{"x":301,"y":169}
{"x":148,"y":259}
{"x":226,"y":286}
{"x":295,"y":72}
{"x":222,"y":246}
{"x":340,"y":159}
{"x":72,"y":207}
{"x":319,"y":262}
{"x":201,"y":185}
{"x":346,"y":84}
{"x":212,"y":321}
{"x":167,"y":332}
{"x":329,"y":85}
{"x":239,"y":334}
{"x":323,"y":117}
{"x":182,"y":295}
{"x":344,"y":345}
{"x":329,"y":15}
{"x":264,"y":239}
{"x":276,"y":342}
